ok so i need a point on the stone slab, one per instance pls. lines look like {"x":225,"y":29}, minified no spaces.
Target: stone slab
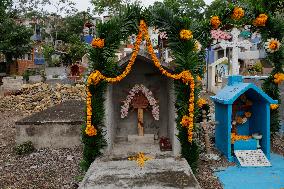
{"x":147,"y":138}
{"x":55,"y":127}
{"x":252,"y":158}
{"x":156,"y":174}
{"x":69,"y":112}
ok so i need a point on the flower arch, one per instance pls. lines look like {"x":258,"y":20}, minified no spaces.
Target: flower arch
{"x":189,"y":67}
{"x":147,"y":93}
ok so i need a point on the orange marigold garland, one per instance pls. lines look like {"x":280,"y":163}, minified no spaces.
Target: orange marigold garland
{"x":238,"y":13}
{"x":215,"y":22}
{"x":235,"y":137}
{"x":260,"y":20}
{"x":98,"y":43}
{"x":201,"y":102}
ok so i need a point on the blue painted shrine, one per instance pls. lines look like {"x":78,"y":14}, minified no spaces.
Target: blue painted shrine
{"x":242,"y":109}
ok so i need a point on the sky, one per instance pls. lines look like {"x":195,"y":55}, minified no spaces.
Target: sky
{"x":82,"y":5}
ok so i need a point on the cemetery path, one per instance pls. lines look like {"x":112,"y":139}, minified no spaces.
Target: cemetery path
{"x":44,"y":168}
{"x":254,"y":177}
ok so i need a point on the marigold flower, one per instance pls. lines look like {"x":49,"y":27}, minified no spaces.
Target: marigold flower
{"x":91,"y":131}
{"x":274,"y":106}
{"x":278,"y":78}
{"x":98,"y":43}
{"x":185,"y":34}
{"x":272,"y":45}
{"x":215,"y":22}
{"x":238,"y":13}
{"x":201,"y":102}
{"x":260,"y":20}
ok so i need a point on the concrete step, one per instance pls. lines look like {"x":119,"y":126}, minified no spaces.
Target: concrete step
{"x":119,"y":139}
{"x":167,"y":173}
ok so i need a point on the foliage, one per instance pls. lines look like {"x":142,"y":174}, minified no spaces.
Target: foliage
{"x":48,"y":51}
{"x":109,"y":6}
{"x":14,"y":39}
{"x":25,"y":148}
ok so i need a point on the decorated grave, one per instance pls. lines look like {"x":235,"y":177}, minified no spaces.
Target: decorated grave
{"x":243,"y":117}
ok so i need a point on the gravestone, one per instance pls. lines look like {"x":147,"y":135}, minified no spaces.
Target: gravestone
{"x":11,"y":84}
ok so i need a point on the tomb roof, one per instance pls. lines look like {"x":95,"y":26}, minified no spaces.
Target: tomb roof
{"x":236,"y":88}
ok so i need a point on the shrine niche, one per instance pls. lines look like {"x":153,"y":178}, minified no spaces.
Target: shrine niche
{"x":139,"y":99}
{"x":243,"y":116}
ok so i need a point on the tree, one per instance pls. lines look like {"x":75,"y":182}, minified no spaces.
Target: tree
{"x":193,"y":9}
{"x":14,"y":39}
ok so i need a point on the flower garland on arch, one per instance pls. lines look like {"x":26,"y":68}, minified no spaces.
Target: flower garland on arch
{"x":148,"y":94}
{"x":185,"y":76}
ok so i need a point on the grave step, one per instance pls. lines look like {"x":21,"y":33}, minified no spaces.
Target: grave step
{"x":119,"y":139}
{"x":252,"y":158}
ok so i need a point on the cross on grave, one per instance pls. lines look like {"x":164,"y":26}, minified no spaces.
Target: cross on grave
{"x":140,"y":102}
{"x":235,"y":44}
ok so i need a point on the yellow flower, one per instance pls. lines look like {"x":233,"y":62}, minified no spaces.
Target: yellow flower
{"x":260,"y":20}
{"x":278,"y":78}
{"x":238,"y":13}
{"x":201,"y":102}
{"x":91,"y":131}
{"x":197,"y":46}
{"x":185,"y":121}
{"x":248,"y":114}
{"x":274,"y":106}
{"x":140,"y":159}
{"x":215,"y":22}
{"x":98,"y":43}
{"x":272,"y":45}
{"x":185,"y":34}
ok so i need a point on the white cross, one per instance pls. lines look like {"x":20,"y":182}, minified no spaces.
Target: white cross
{"x":235,"y":44}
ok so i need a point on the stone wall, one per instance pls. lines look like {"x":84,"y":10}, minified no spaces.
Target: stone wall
{"x":143,"y":73}
{"x":11,"y":84}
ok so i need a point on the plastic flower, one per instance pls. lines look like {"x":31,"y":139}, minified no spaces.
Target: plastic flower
{"x":185,"y":34}
{"x":215,"y":22}
{"x":272,"y":45}
{"x":197,"y":46}
{"x":201,"y":102}
{"x":239,"y":120}
{"x":248,"y":114}
{"x":260,"y":20}
{"x":238,"y":13}
{"x":98,"y":43}
{"x":274,"y":106}
{"x":278,"y":78}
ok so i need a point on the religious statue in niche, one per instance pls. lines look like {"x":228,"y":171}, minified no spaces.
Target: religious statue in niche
{"x":140,"y":98}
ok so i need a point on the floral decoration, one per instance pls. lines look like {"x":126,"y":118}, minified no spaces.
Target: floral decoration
{"x":201,"y":102}
{"x":197,"y":46}
{"x":185,"y":76}
{"x":215,"y":22}
{"x":278,"y":78}
{"x":272,"y":45}
{"x":274,"y":106}
{"x":140,"y":158}
{"x":148,"y":94}
{"x":235,"y":137}
{"x":98,"y":43}
{"x":185,"y":34}
{"x":238,"y":13}
{"x":219,"y":35}
{"x":260,"y":20}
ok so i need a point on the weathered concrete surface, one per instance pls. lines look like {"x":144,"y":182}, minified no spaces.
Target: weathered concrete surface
{"x":158,"y":173}
{"x":56,"y":127}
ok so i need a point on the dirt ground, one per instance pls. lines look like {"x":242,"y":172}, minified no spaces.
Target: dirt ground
{"x":44,"y":168}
